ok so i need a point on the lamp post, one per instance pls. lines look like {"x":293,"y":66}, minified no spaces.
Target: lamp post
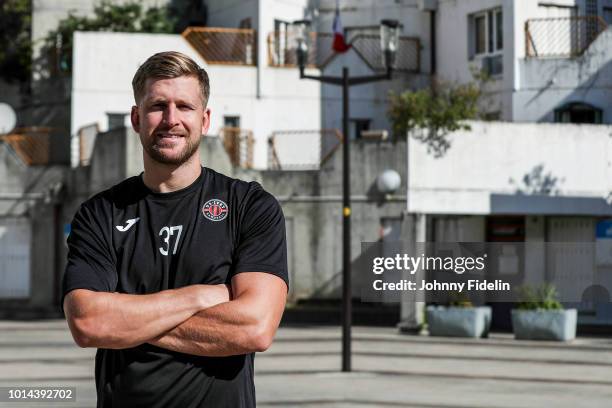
{"x":389,"y":37}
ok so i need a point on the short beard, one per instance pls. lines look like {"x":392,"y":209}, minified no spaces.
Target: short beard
{"x":190,"y":149}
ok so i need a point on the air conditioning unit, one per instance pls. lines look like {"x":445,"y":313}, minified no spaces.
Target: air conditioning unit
{"x":493,"y":65}
{"x":378,"y":134}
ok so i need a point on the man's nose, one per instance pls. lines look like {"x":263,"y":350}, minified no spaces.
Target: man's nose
{"x":171,"y":115}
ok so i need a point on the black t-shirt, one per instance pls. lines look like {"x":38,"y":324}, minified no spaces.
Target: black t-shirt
{"x":129,"y":239}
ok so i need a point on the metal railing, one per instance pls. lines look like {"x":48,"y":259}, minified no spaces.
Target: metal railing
{"x":281,"y":52}
{"x":238,"y":144}
{"x":561,"y":37}
{"x":302,"y":149}
{"x":407,"y":58}
{"x":223,"y":46}
{"x":30,"y":144}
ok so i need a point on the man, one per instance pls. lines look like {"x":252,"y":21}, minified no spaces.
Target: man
{"x":178,"y":275}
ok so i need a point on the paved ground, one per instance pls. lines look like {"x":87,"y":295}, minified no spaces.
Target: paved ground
{"x":302,"y":369}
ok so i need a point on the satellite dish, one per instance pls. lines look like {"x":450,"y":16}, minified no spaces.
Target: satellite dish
{"x":8,"y":119}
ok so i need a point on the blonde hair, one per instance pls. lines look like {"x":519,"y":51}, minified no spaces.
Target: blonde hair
{"x":169,"y":64}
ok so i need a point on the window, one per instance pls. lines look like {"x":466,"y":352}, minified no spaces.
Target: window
{"x":360,"y":125}
{"x":231,"y":121}
{"x":607,"y":14}
{"x":499,"y":30}
{"x":487,"y":33}
{"x":480,"y":24}
{"x":281,"y":41}
{"x":245,"y":23}
{"x":578,"y":112}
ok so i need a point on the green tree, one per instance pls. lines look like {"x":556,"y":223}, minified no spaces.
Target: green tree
{"x":128,"y":17}
{"x":158,"y":20}
{"x":16,"y":49}
{"x":430,"y":114}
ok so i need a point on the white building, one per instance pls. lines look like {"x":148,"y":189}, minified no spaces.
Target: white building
{"x":530,"y":183}
{"x":246,"y":48}
{"x":548,"y":60}
{"x":102,"y":90}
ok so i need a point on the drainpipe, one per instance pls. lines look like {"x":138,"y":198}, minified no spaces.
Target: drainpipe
{"x":432,"y":37}
{"x":57,"y":240}
{"x":258,"y":45}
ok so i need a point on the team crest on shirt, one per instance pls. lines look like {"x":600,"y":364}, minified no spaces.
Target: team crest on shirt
{"x":215,"y":210}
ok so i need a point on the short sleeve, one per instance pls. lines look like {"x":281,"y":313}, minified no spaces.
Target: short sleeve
{"x":91,"y":263}
{"x":262,"y":245}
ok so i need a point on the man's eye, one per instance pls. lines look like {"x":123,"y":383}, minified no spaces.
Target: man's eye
{"x":185,"y":107}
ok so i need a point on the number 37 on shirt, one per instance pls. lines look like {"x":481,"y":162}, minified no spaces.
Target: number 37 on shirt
{"x":170,"y":235}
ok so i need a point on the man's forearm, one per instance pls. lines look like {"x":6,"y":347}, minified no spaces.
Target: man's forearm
{"x":229,"y":328}
{"x":116,"y":320}
{"x":243,"y":325}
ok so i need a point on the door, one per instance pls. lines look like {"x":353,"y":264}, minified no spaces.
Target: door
{"x":506,"y":230}
{"x":571,"y":268}
{"x":15,"y":237}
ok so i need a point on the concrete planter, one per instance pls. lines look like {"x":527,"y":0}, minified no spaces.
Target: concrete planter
{"x":557,"y":325}
{"x":459,"y":321}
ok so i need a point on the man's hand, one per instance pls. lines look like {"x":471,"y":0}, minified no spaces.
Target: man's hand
{"x":244,"y":325}
{"x":118,"y":320}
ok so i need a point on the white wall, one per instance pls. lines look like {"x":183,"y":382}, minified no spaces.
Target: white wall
{"x":523,"y":92}
{"x":549,"y":83}
{"x":103,"y":72}
{"x":362,"y":13}
{"x":484,"y":169}
{"x":454,"y":63}
{"x":369,"y":101}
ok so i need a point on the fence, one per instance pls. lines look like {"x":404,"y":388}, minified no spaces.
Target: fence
{"x":281,"y":51}
{"x":302,"y":149}
{"x":561,"y":37}
{"x":30,"y":144}
{"x":407,"y":58}
{"x":224,"y":46}
{"x":238,"y":144}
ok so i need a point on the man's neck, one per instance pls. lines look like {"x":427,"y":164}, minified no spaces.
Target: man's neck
{"x":164,"y":178}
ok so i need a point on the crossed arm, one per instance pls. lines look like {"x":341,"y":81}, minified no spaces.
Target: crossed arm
{"x":198,"y":319}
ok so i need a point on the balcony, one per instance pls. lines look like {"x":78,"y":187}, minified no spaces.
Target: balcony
{"x":29,"y":144}
{"x":302,"y":149}
{"x":223,"y":46}
{"x":367,"y":47}
{"x":281,"y":53}
{"x":566,"y":37}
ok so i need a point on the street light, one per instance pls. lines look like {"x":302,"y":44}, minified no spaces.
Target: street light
{"x":389,"y":37}
{"x":301,"y":32}
{"x":389,"y":40}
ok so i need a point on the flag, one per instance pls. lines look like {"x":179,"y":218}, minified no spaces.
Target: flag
{"x":339,"y":45}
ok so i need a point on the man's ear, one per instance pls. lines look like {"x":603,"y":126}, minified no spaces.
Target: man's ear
{"x":135,"y":118}
{"x":206,"y":121}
